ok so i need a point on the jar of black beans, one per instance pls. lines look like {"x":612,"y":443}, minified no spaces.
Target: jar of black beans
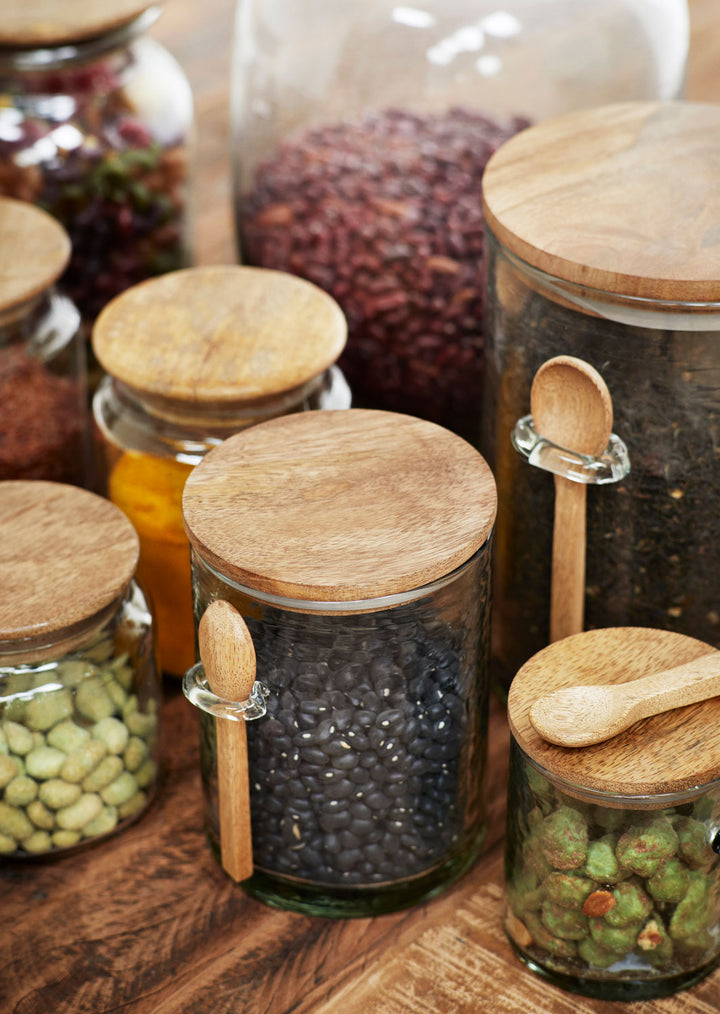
{"x":366,"y":771}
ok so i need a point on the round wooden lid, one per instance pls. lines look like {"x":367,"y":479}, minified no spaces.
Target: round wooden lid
{"x":49,"y":23}
{"x":665,"y":753}
{"x":219,"y":334}
{"x":339,"y":505}
{"x":34,"y":251}
{"x":65,"y":554}
{"x":621,"y":198}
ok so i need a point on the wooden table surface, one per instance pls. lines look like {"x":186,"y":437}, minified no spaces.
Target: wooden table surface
{"x":147,"y":923}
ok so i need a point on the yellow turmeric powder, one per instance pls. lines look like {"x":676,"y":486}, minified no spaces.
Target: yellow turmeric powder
{"x":149,"y":490}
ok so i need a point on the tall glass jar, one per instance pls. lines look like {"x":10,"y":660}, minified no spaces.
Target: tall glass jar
{"x":44,"y":432}
{"x":612,"y":850}
{"x":361,"y":131}
{"x":95,"y":121}
{"x":368,"y":607}
{"x":79,"y":693}
{"x":192,"y":358}
{"x":627,"y":281}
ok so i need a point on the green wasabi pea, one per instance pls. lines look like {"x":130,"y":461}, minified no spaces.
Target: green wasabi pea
{"x":643,"y":849}
{"x":524,"y":893}
{"x":21,"y":791}
{"x":39,"y":841}
{"x":82,"y":761}
{"x":620,"y":939}
{"x":57,"y":794}
{"x":693,"y":915}
{"x":67,"y":736}
{"x":135,"y":753}
{"x":14,"y":822}
{"x":146,"y":773}
{"x":104,"y":823}
{"x":120,"y":790}
{"x":8,"y":769}
{"x":670,"y":881}
{"x":566,"y":923}
{"x":567,"y":889}
{"x":100,"y":651}
{"x":693,"y":845}
{"x":92,"y":699}
{"x":117,"y":694}
{"x":20,"y":740}
{"x":44,"y":762}
{"x":14,"y":711}
{"x":609,"y":819}
{"x":543,"y":938}
{"x":106,"y":772}
{"x":595,"y":954}
{"x":632,"y":905}
{"x":564,"y":838}
{"x":601,"y":864}
{"x":73,"y":671}
{"x":62,"y":839}
{"x":113,"y":733}
{"x":7,"y":844}
{"x":142,"y":725}
{"x":122,"y":671}
{"x":134,"y":805}
{"x":40,"y":815}
{"x":45,"y":710}
{"x":77,"y":815}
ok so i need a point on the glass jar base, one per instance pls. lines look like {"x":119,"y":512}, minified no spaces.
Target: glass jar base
{"x":612,"y":989}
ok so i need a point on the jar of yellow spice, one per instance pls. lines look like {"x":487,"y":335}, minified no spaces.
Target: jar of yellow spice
{"x":191,"y":358}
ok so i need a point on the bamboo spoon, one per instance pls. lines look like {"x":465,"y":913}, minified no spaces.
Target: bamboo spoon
{"x":570,"y":406}
{"x":228,"y":657}
{"x":580,"y":716}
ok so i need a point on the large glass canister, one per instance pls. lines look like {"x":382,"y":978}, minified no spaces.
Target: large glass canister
{"x":44,"y":430}
{"x":357,"y":546}
{"x":602,"y":244}
{"x":361,"y":131}
{"x":191,"y":358}
{"x":95,"y":126}
{"x":79,"y":693}
{"x":613,"y":850}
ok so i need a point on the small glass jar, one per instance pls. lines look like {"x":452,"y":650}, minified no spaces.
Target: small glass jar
{"x":95,"y":122}
{"x":361,"y":131}
{"x":192,"y":358}
{"x":613,"y":850}
{"x":628,"y":282}
{"x":44,"y":432}
{"x":79,"y":693}
{"x":368,"y":609}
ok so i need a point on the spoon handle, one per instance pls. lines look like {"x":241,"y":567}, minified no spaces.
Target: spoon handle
{"x":684,"y":684}
{"x":567,"y":597}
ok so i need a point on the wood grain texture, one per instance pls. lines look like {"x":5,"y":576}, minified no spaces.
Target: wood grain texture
{"x":605,"y":207}
{"x":34,"y":250}
{"x":45,"y":22}
{"x":665,"y":753}
{"x":220,"y":333}
{"x":340,"y":505}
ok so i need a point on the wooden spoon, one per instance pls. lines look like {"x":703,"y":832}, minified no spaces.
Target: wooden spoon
{"x":228,"y":657}
{"x":570,"y":406}
{"x":580,"y":716}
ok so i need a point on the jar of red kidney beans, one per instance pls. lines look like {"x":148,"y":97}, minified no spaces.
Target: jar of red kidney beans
{"x":94,"y":124}
{"x":44,"y":433}
{"x":359,"y":151}
{"x":356,"y":546}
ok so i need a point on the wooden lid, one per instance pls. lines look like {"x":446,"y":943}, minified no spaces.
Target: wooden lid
{"x":666,"y":753}
{"x":220,"y":333}
{"x":34,"y":251}
{"x":49,"y":22}
{"x":65,"y":554}
{"x":621,"y":198}
{"x":339,"y":505}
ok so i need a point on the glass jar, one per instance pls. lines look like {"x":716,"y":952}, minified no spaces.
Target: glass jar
{"x":359,"y":152}
{"x":79,"y":694}
{"x":329,"y":533}
{"x":640,"y":303}
{"x":612,"y":850}
{"x":193,"y":357}
{"x":43,"y":380}
{"x":95,"y":121}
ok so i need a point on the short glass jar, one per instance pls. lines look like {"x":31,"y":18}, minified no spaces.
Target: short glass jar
{"x":613,"y":850}
{"x":43,"y":377}
{"x":191,"y":358}
{"x":368,"y":611}
{"x":79,"y":693}
{"x":628,"y":282}
{"x":95,"y":125}
{"x":361,"y":131}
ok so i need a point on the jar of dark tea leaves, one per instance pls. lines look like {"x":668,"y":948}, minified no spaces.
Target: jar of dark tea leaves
{"x":603,"y":244}
{"x":361,"y":131}
{"x":44,"y":433}
{"x":356,"y":545}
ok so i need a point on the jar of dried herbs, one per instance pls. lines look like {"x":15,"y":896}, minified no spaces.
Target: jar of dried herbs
{"x":359,"y":152}
{"x":603,"y":244}
{"x":192,"y":357}
{"x":357,"y":547}
{"x":79,"y":693}
{"x":44,"y":433}
{"x":94,"y":125}
{"x":612,"y":858}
